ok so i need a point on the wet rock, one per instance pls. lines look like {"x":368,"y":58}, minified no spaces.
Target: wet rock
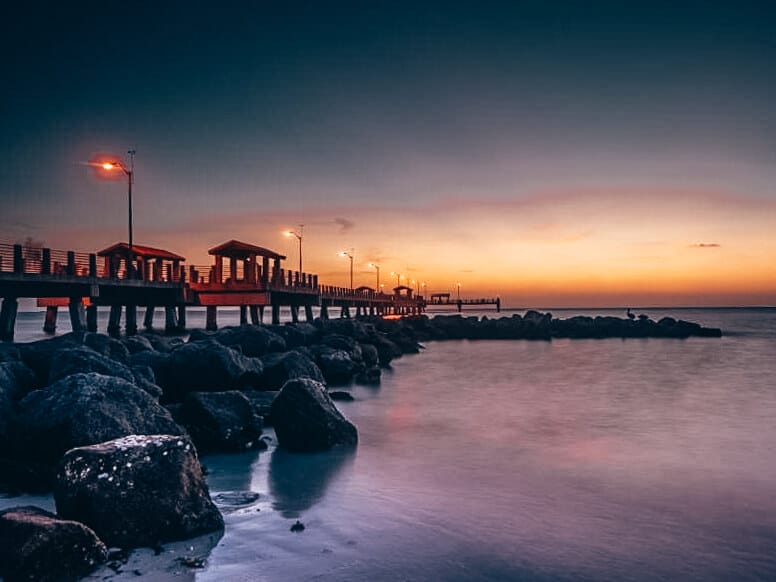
{"x":37,"y":355}
{"x":337,"y":366}
{"x":262,"y":403}
{"x":341,"y":395}
{"x":73,"y":360}
{"x":9,"y":353}
{"x":228,"y":501}
{"x":163,"y":343}
{"x":222,"y":421}
{"x":386,"y":349}
{"x":37,"y":546}
{"x":84,"y":409}
{"x":369,"y":355}
{"x":297,"y":527}
{"x":159,"y":363}
{"x":297,"y":335}
{"x":209,"y":366}
{"x":145,"y":378}
{"x":253,"y":340}
{"x":137,"y":491}
{"x":279,"y":368}
{"x":138,"y":343}
{"x":107,"y":346}
{"x":305,"y":418}
{"x":369,"y":376}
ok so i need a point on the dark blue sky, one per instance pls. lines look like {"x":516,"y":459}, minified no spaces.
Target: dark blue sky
{"x":292,"y":107}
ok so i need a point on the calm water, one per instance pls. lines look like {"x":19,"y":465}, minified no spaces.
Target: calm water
{"x":569,"y":460}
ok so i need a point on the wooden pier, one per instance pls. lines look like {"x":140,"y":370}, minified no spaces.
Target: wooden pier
{"x":445,"y":300}
{"x":242,"y":274}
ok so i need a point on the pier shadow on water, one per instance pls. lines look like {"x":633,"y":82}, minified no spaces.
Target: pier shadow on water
{"x":297,"y":481}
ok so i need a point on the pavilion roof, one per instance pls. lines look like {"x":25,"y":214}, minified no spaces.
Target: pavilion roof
{"x":241,"y":250}
{"x":142,"y":251}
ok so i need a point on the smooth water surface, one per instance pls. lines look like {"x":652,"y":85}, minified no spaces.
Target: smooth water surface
{"x":574,"y":460}
{"x":567,"y":460}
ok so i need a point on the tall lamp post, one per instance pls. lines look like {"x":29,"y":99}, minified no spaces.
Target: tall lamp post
{"x":398,"y":277}
{"x":130,"y":173}
{"x":377,"y":267}
{"x":350,"y":256}
{"x":298,"y":235}
{"x":459,"y":290}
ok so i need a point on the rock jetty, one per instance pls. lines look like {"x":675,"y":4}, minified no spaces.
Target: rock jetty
{"x":114,"y":426}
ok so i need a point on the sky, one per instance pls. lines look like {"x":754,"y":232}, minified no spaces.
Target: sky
{"x":552,"y":153}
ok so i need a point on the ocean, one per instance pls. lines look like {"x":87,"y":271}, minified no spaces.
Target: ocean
{"x":571,"y":460}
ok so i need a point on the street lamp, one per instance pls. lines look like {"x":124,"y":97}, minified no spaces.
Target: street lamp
{"x":374,"y":266}
{"x":130,"y":173}
{"x":298,"y":235}
{"x":398,"y":277}
{"x":423,"y":288}
{"x":459,"y":291}
{"x":350,"y":256}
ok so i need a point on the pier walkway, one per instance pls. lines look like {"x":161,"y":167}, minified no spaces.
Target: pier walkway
{"x":122,"y":279}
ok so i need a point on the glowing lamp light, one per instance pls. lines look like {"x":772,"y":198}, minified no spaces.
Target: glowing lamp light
{"x":108,"y":166}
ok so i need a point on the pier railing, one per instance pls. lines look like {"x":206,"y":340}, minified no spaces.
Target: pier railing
{"x":34,"y":260}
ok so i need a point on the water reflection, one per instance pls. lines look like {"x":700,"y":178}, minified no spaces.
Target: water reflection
{"x":297,"y":481}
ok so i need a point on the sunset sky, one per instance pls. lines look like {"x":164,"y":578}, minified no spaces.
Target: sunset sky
{"x":553,"y":153}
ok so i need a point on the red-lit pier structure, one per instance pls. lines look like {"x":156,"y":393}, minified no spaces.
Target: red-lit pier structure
{"x":242,"y":275}
{"x":445,"y":300}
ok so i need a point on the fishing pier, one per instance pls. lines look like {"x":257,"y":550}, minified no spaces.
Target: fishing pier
{"x":123,"y":278}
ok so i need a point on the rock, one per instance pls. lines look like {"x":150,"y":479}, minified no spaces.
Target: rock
{"x":305,"y":418}
{"x":37,"y":546}
{"x":297,"y":527}
{"x":138,"y":343}
{"x":137,"y":491}
{"x":279,"y":368}
{"x":337,"y":366}
{"x":163,"y":343}
{"x":37,"y":355}
{"x":386,"y":349}
{"x":369,"y":355}
{"x":16,"y":380}
{"x":107,"y":346}
{"x":9,"y":353}
{"x":145,"y":378}
{"x":84,"y":409}
{"x":369,"y":376}
{"x":261,"y":403}
{"x":159,"y":363}
{"x":222,"y":421}
{"x":72,"y":360}
{"x":228,"y":501}
{"x":296,"y":335}
{"x":209,"y":366}
{"x":253,"y":340}
{"x":341,"y":395}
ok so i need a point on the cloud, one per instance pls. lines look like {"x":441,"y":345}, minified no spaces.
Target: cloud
{"x":705,"y":245}
{"x":344,"y":224}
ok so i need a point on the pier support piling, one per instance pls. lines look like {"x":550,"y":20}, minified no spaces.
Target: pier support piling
{"x":243,"y":315}
{"x":91,"y":318}
{"x":114,"y":321}
{"x":77,"y":314}
{"x":254,"y":311}
{"x":275,"y":314}
{"x":308,"y":313}
{"x":8,"y":318}
{"x":130,"y":320}
{"x":148,"y":319}
{"x":295,"y":313}
{"x":181,"y":317}
{"x":50,"y":323}
{"x":324,"y":312}
{"x":211,"y":323}
{"x":170,"y":320}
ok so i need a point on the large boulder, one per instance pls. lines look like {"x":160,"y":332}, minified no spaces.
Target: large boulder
{"x":386,"y":349}
{"x":262,"y":404}
{"x":72,"y":360}
{"x":37,"y":546}
{"x":221,"y":421}
{"x":209,"y":366}
{"x":253,"y":340}
{"x":296,"y":335}
{"x":37,"y":355}
{"x":305,"y":418}
{"x":84,"y":409}
{"x":280,"y":368}
{"x":337,"y":366}
{"x":9,"y":353}
{"x":137,"y":490}
{"x":107,"y":346}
